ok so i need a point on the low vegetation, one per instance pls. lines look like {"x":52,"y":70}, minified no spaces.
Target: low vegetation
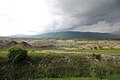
{"x":51,"y":65}
{"x":17,"y":54}
{"x":62,"y":62}
{"x":103,"y":51}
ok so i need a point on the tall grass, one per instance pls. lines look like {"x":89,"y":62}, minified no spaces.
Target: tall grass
{"x":51,"y":65}
{"x":72,"y":79}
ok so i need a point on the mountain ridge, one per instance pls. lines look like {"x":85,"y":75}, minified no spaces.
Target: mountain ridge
{"x":77,"y":35}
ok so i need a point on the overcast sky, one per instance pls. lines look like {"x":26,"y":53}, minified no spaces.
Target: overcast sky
{"x":40,"y":16}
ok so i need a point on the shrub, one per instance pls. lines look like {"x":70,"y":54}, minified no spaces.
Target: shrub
{"x":97,"y":56}
{"x":17,"y":54}
{"x":96,"y":48}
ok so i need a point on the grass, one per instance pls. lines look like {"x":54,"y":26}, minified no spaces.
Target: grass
{"x":58,"y":66}
{"x":82,"y":78}
{"x":99,"y":51}
{"x":71,"y":79}
{"x":115,"y":77}
{"x":3,"y":55}
{"x":104,"y":51}
{"x":34,"y":54}
{"x":53,"y":67}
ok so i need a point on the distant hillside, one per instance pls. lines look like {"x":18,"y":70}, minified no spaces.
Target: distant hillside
{"x":20,"y":36}
{"x":77,"y":35}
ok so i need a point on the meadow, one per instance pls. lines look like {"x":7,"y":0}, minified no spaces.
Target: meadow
{"x":63,"y":63}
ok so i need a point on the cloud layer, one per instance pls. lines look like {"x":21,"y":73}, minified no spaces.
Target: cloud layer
{"x":86,"y":15}
{"x":39,"y":16}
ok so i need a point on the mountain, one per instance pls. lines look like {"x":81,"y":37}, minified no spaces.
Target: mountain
{"x":116,"y":32}
{"x":20,"y":36}
{"x":77,"y":35}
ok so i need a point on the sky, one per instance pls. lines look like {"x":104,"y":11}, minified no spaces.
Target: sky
{"x":32,"y":17}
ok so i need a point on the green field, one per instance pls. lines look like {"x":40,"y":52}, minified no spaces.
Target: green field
{"x":61,"y":66}
{"x":104,"y":51}
{"x":72,"y":79}
{"x":115,"y":78}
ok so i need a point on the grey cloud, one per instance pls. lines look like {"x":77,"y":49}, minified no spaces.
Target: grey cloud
{"x":78,"y":13}
{"x":100,"y":27}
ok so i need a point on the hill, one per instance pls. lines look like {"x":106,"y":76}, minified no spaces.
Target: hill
{"x":13,"y":43}
{"x":77,"y":35}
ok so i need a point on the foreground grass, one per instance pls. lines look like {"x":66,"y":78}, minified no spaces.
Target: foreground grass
{"x":58,"y":66}
{"x":82,"y":78}
{"x":72,"y":79}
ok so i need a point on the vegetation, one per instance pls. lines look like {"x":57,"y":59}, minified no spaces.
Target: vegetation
{"x":100,"y":51}
{"x":51,"y":65}
{"x":71,"y":79}
{"x":92,"y":78}
{"x":17,"y":54}
{"x":17,"y":63}
{"x":97,"y":48}
{"x":97,"y":56}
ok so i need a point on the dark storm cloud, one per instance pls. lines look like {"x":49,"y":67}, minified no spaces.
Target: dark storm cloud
{"x":78,"y":13}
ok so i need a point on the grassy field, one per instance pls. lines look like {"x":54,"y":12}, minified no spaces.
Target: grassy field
{"x":104,"y":51}
{"x":72,"y":79}
{"x":111,"y":78}
{"x":60,"y":66}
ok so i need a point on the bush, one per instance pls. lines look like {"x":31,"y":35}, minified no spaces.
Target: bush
{"x":17,"y":54}
{"x":97,"y":56}
{"x":97,"y":48}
